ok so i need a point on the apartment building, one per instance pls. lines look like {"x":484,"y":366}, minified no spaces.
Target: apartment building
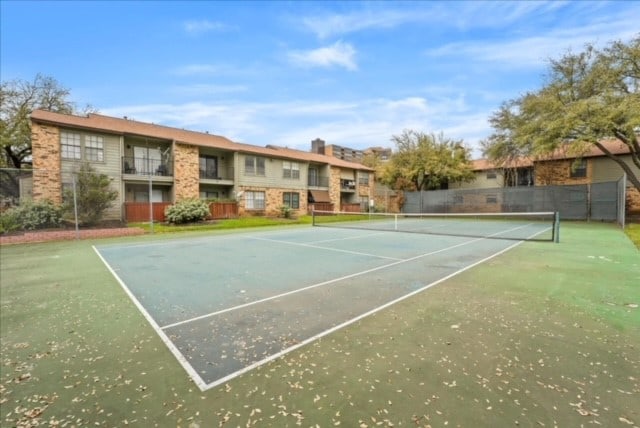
{"x":560,"y":168}
{"x":163,"y":164}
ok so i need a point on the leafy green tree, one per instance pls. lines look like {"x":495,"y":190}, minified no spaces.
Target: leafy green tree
{"x":18,"y":98}
{"x":588,"y":97}
{"x":93,"y":195}
{"x":426,"y":161}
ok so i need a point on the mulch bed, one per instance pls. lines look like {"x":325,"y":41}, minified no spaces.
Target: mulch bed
{"x":66,"y":235}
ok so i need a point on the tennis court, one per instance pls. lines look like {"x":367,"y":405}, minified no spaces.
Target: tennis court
{"x":226,"y":304}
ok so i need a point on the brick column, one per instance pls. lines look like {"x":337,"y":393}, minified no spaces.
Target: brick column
{"x":334,"y":187}
{"x":186,"y":172}
{"x":45,"y":149}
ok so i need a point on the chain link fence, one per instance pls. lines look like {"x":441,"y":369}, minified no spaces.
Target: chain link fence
{"x":596,"y":201}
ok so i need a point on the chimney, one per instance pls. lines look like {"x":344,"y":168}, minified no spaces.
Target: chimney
{"x":317,"y":146}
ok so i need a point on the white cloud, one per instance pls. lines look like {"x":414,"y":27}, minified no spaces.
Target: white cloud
{"x":203,"y":26}
{"x":460,"y":15}
{"x":339,"y":54}
{"x":358,"y":124}
{"x":527,"y":52}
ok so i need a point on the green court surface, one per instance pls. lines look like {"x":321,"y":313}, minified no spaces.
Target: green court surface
{"x":227,"y":304}
{"x":542,"y":334}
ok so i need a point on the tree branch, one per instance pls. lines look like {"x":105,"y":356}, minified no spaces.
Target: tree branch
{"x":630,"y":174}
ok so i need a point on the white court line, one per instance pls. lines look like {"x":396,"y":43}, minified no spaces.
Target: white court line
{"x":358,"y":318}
{"x":174,"y":350}
{"x":369,"y":235}
{"x":337,"y":250}
{"x":331,"y":281}
{"x":204,"y":386}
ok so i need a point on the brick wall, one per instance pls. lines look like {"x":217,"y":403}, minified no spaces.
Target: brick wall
{"x":334,"y":187}
{"x":633,"y":202}
{"x":273,"y":202}
{"x":559,"y":172}
{"x":186,"y":172}
{"x":45,"y":147}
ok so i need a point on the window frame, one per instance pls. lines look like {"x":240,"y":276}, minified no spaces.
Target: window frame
{"x":291,"y":170}
{"x":578,"y":168}
{"x":90,"y":150}
{"x":252,"y":203}
{"x":68,"y":149}
{"x":291,"y":199}
{"x":363,"y":179}
{"x":255,"y":166}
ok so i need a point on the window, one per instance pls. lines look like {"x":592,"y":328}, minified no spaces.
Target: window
{"x":492,"y":199}
{"x":291,"y":170}
{"x":579,"y":168}
{"x":254,"y":200}
{"x":70,"y":145}
{"x":208,"y":167}
{"x":491,"y":175}
{"x":254,"y":165}
{"x":208,"y":194}
{"x":94,"y":148}
{"x":363,"y":178}
{"x":291,"y":199}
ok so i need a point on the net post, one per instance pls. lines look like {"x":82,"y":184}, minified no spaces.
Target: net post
{"x":313,"y":217}
{"x":556,"y":227}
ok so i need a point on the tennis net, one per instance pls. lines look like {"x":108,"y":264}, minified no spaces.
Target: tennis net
{"x":535,"y":226}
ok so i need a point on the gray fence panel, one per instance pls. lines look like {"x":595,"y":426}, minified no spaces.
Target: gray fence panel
{"x":574,"y":202}
{"x":604,"y":201}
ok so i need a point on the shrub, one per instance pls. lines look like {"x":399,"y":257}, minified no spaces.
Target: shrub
{"x":9,"y":221}
{"x":187,"y":211}
{"x":93,"y":195}
{"x":285,"y":210}
{"x":30,"y":216}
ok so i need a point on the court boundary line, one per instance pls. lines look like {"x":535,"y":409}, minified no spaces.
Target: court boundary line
{"x":335,"y":328}
{"x":323,"y":283}
{"x":197,"y":379}
{"x":204,"y":386}
{"x":338,"y":250}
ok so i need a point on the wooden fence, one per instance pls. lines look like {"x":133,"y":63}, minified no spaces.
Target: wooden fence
{"x":139,"y":211}
{"x":320,"y":206}
{"x":220,"y":210}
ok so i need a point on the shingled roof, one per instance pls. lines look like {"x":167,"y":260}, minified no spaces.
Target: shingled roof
{"x":114,"y":125}
{"x":616,"y":147}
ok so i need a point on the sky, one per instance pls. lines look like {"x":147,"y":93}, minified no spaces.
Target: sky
{"x":285,"y":73}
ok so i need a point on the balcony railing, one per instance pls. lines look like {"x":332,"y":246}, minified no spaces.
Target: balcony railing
{"x":347,"y":185}
{"x":145,"y":166}
{"x":217,"y":174}
{"x":315,"y":181}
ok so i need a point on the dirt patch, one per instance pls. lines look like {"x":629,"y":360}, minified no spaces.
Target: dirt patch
{"x":66,"y":235}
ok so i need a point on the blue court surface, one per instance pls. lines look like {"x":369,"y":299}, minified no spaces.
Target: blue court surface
{"x":225,"y":304}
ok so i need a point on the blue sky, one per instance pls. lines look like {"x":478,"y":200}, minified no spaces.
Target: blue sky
{"x":285,"y":73}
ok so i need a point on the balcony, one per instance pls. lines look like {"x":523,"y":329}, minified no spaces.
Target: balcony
{"x":347,"y":186}
{"x":217,"y":174}
{"x":316,"y":181}
{"x":146,"y":166}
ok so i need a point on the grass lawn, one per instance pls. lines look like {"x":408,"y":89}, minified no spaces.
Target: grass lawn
{"x":543,"y":335}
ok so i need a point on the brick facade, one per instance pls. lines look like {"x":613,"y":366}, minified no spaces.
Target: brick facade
{"x":559,"y":172}
{"x":273,"y":202}
{"x":186,"y":172}
{"x":334,"y":187}
{"x":633,"y":202}
{"x":45,"y":148}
